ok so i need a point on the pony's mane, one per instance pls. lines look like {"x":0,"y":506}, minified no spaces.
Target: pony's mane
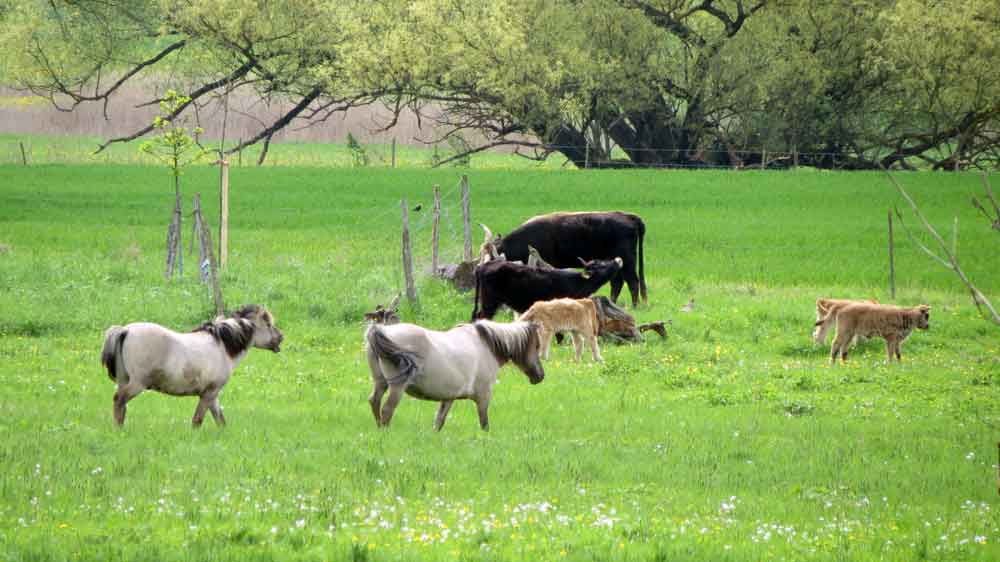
{"x":234,"y":333}
{"x":508,"y":342}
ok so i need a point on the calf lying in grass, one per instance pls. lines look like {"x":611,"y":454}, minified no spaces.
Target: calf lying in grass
{"x":893,"y":323}
{"x":578,"y":316}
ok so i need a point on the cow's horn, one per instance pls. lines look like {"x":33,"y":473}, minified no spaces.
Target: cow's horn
{"x":486,"y":229}
{"x":584,"y":262}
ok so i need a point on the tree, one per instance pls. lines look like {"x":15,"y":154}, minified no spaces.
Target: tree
{"x":606,"y":83}
{"x":176,"y":148}
{"x":84,"y":51}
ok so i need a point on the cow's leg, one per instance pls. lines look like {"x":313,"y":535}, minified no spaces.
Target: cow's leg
{"x":442,"y":414}
{"x":899,"y":356}
{"x":545,"y":335}
{"x":616,"y":286}
{"x":628,"y":272}
{"x":577,"y":345}
{"x":122,"y":396}
{"x":395,"y":394}
{"x":490,"y":308}
{"x":482,"y":405}
{"x":840,"y":344}
{"x":594,"y":349}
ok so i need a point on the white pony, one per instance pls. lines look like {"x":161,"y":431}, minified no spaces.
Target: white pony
{"x":143,"y":355}
{"x":447,"y":366}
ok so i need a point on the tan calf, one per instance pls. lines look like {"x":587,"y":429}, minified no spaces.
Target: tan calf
{"x":578,"y":316}
{"x":825,"y":320}
{"x":893,"y":323}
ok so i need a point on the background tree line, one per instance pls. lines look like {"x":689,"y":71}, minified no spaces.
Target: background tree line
{"x":606,"y":83}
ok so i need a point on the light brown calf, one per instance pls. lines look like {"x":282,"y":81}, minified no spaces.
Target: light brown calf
{"x":893,"y":323}
{"x":824,"y":307}
{"x":578,"y":316}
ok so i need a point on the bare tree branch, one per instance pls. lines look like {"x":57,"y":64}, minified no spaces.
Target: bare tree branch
{"x":488,"y":146}
{"x":952,"y":262}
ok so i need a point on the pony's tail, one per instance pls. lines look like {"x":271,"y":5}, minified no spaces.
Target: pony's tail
{"x":384,"y":348}
{"x":112,"y":351}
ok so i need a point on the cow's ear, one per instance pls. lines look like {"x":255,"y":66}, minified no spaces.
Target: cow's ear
{"x":585,"y":274}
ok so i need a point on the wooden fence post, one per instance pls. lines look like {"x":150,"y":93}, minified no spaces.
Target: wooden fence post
{"x":196,"y":227}
{"x":763,"y":158}
{"x":795,"y":155}
{"x":208,"y":268}
{"x":393,"y":152}
{"x":24,"y":156}
{"x":174,"y":250}
{"x":435,"y":230}
{"x":466,"y":219}
{"x":224,"y":214}
{"x":411,"y":290}
{"x":892,"y":262}
{"x":239,"y":154}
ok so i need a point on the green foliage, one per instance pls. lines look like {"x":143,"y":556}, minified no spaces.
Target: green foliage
{"x":674,"y":78}
{"x":173,"y":145}
{"x":460,"y":147}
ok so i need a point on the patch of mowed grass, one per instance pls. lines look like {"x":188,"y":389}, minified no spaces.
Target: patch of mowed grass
{"x":733,"y":439}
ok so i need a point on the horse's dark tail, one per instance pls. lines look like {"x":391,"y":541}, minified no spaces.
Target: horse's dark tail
{"x":642,"y":265}
{"x":112,"y":351}
{"x":383,"y":347}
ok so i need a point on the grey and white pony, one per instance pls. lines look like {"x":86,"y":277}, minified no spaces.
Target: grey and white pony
{"x":143,"y":355}
{"x":461,"y":363}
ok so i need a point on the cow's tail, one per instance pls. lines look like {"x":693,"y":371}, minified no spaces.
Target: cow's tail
{"x":111,"y":355}
{"x":383,"y":347}
{"x":642,"y":266}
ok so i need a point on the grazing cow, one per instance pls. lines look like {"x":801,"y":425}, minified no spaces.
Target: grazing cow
{"x":519,"y":286}
{"x":893,"y":323}
{"x":823,"y":309}
{"x":562,"y":238}
{"x":578,"y":316}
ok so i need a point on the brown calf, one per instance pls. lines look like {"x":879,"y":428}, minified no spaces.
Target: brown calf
{"x":578,"y":316}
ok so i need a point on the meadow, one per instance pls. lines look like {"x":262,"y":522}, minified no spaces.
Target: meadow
{"x":731,"y":440}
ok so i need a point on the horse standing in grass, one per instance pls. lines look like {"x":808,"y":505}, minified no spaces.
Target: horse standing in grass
{"x":447,"y":366}
{"x":143,"y":355}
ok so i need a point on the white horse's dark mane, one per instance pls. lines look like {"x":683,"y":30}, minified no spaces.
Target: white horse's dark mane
{"x":508,"y":342}
{"x":234,"y":333}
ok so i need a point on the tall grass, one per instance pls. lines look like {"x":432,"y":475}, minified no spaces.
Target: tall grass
{"x":731,"y":440}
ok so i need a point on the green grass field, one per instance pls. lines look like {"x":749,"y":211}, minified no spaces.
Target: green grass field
{"x":732,"y":440}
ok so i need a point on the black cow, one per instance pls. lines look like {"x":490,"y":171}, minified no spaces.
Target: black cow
{"x":562,"y":238}
{"x":519,"y":286}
